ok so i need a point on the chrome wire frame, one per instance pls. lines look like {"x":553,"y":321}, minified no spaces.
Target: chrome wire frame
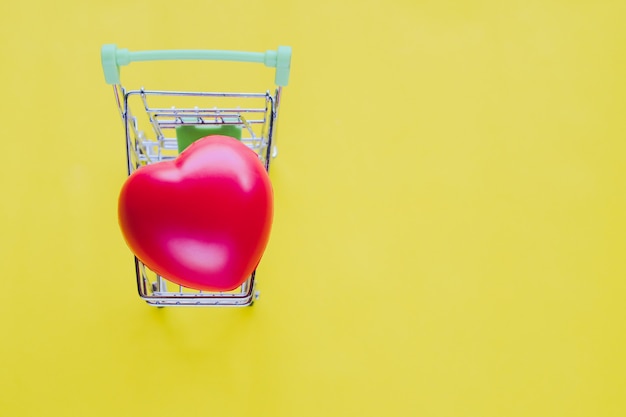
{"x":156,"y":143}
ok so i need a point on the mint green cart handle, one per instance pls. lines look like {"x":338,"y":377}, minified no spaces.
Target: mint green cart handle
{"x":113,"y":58}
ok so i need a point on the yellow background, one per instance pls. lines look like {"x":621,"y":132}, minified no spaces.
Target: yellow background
{"x":450,"y":222}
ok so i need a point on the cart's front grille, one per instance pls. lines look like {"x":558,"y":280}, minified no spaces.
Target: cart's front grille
{"x":151,"y":133}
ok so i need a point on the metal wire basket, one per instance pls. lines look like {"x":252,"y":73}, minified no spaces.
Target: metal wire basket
{"x":151,"y":118}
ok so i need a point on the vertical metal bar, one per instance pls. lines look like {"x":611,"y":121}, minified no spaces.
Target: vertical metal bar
{"x":161,"y":284}
{"x":270,"y":135}
{"x":119,"y":90}
{"x":127,"y":132}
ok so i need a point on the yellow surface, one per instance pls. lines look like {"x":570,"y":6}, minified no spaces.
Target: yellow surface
{"x":450,"y":214}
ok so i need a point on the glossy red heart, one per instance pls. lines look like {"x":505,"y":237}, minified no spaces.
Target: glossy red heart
{"x":202,"y":220}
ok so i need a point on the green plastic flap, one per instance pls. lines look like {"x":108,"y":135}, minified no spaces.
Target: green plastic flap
{"x":188,"y":134}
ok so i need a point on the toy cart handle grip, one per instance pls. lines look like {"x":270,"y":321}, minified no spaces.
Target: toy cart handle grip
{"x":113,"y":58}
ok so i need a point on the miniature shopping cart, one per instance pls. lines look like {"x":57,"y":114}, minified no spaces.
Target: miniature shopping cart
{"x":160,"y":124}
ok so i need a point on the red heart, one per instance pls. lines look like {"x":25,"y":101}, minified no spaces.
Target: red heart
{"x":202,"y":220}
